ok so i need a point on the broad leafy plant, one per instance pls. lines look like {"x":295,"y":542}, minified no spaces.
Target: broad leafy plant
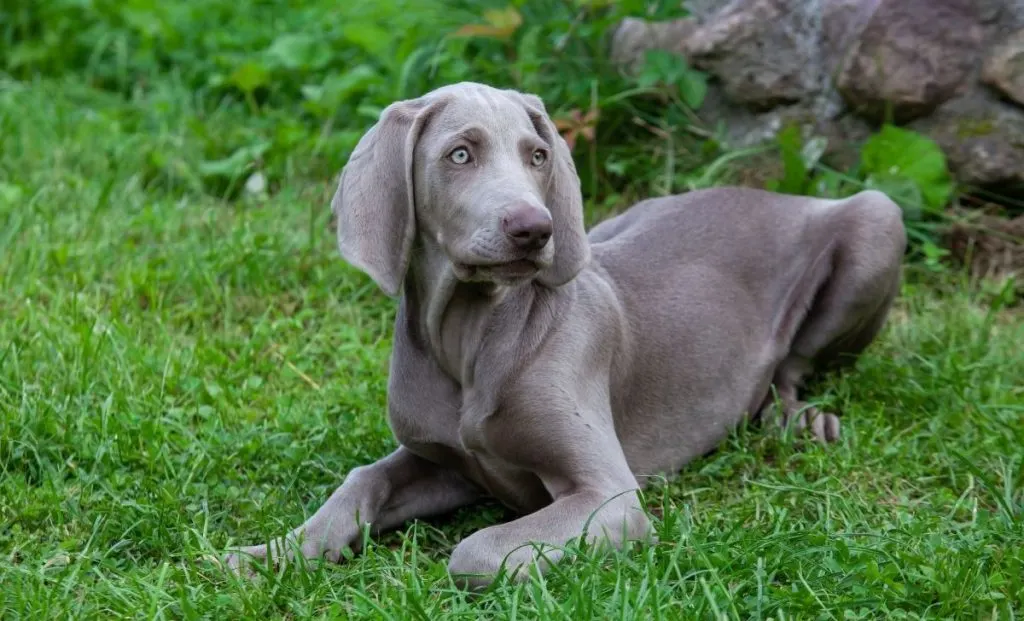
{"x":910,"y":168}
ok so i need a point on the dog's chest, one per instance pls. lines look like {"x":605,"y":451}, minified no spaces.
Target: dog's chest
{"x":450,"y":437}
{"x":437,"y":413}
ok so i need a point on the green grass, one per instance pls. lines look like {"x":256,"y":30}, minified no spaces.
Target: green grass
{"x":183,"y":369}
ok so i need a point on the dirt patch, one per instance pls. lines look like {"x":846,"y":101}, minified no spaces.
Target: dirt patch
{"x":990,"y":245}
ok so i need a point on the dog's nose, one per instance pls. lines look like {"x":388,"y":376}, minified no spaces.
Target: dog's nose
{"x":527,"y":227}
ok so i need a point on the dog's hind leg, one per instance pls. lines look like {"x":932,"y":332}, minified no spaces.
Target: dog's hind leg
{"x":783,"y":404}
{"x":849,"y":308}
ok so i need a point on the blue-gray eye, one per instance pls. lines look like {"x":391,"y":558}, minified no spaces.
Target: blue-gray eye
{"x":459,"y":156}
{"x":539,"y":157}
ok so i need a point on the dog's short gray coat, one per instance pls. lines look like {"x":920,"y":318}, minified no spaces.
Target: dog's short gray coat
{"x":558,"y":378}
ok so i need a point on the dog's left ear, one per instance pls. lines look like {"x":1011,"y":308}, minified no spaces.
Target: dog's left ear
{"x":564,"y":200}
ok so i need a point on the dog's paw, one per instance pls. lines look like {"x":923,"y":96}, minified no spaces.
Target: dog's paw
{"x":297,"y":548}
{"x":822,"y":426}
{"x":243,"y":561}
{"x":803,"y":419}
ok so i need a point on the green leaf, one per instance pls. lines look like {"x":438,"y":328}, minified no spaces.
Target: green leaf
{"x":903,"y":190}
{"x":10,"y":193}
{"x":235,"y":164}
{"x":899,"y":153}
{"x":250,"y":76}
{"x":693,"y":87}
{"x":312,"y":92}
{"x":338,"y":89}
{"x":325,"y":99}
{"x":409,"y":71}
{"x":798,"y":158}
{"x":794,"y":175}
{"x":828,"y":184}
{"x":659,"y":66}
{"x":665,"y":68}
{"x":373,"y":39}
{"x":529,"y":59}
{"x":296,"y":51}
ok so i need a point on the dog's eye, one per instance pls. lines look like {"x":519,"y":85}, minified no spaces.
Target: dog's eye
{"x":539,"y":157}
{"x":459,"y":156}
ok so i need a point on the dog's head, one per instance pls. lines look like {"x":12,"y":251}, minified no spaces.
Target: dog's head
{"x":478,"y":172}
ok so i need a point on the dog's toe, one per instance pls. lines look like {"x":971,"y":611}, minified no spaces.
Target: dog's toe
{"x":824,"y":426}
{"x":804,"y":418}
{"x":831,"y":427}
{"x":240,"y":560}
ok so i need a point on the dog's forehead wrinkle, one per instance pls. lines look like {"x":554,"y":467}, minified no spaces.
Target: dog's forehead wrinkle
{"x":496,"y":113}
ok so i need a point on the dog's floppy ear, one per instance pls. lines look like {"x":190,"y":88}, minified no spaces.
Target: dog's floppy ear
{"x":564,"y":200}
{"x":374,"y":202}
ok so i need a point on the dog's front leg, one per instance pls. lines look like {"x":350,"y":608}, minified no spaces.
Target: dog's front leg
{"x":382,"y":495}
{"x":604,"y":518}
{"x":580,"y":461}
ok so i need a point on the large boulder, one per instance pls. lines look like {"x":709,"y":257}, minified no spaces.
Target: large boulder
{"x":913,"y":56}
{"x":842,"y":23}
{"x":1004,"y":67}
{"x":982,"y":137}
{"x":764,"y":52}
{"x":633,"y":37}
{"x":840,"y":67}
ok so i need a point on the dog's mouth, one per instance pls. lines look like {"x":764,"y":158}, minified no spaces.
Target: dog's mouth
{"x":510,"y":271}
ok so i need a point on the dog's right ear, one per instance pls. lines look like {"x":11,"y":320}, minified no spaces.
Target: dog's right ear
{"x":374,"y":202}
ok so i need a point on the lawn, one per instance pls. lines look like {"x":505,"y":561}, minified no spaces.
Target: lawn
{"x":186,"y":365}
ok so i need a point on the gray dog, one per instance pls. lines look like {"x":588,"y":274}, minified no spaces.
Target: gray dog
{"x":555,"y":370}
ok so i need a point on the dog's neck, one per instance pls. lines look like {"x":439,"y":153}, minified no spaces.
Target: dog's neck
{"x":449,"y":318}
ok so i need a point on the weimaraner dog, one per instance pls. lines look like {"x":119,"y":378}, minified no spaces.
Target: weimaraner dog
{"x":558,"y":371}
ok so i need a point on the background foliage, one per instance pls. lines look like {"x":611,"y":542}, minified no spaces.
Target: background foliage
{"x":186,"y":364}
{"x":305,"y":79}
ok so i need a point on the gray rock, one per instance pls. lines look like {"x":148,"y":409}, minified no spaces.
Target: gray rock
{"x":1004,"y":67}
{"x":704,"y":9}
{"x":1003,"y":16}
{"x":982,"y":137}
{"x":843,"y":21}
{"x":740,"y":126}
{"x":763,"y":52}
{"x":633,"y":37}
{"x":912,"y":56}
{"x":838,"y":67}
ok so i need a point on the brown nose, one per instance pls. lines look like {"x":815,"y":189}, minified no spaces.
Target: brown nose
{"x":527,"y":227}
